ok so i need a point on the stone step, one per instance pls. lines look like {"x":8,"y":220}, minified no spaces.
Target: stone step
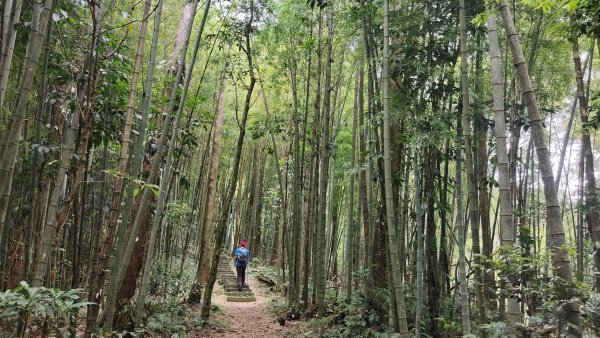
{"x":244,"y":291}
{"x":234,"y":286}
{"x":238,"y":299}
{"x":239,"y":294}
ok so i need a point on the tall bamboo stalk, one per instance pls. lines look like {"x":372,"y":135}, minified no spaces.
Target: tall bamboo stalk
{"x":12,"y":16}
{"x":396,"y":279}
{"x":115,"y":205}
{"x":9,"y":148}
{"x":506,"y":212}
{"x":560,"y":256}
{"x":591,"y":202}
{"x":232,"y":186}
{"x":117,"y":280}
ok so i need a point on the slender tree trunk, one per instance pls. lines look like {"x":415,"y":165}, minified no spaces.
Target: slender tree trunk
{"x":41,"y":16}
{"x":305,"y":261}
{"x":117,"y":280}
{"x":232,"y":186}
{"x":115,"y":205}
{"x":36,"y":183}
{"x":350,"y":231}
{"x":362,"y":150}
{"x":294,"y":278}
{"x":396,"y":279}
{"x":197,"y":201}
{"x":419,"y":240}
{"x":460,"y":221}
{"x":591,"y":203}
{"x":471,"y":183}
{"x":481,"y":179}
{"x":79,"y":125}
{"x":296,"y":198}
{"x":313,"y":199}
{"x":320,"y":230}
{"x":169,"y":169}
{"x":12,"y":15}
{"x":566,"y":138}
{"x":560,"y":257}
{"x":505,"y":202}
{"x":212,"y":176}
{"x":138,"y":149}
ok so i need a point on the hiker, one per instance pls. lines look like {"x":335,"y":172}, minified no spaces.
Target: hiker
{"x":242,"y":256}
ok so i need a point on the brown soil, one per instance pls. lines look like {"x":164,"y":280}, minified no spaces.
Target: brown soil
{"x":251,"y":319}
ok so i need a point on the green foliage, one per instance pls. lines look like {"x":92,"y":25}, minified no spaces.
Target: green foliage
{"x":167,"y":283}
{"x":167,"y":315}
{"x":173,"y":319}
{"x":591,"y":313}
{"x":594,"y":109}
{"x":141,"y":184}
{"x":495,"y":329}
{"x":178,"y":212}
{"x":113,"y":93}
{"x":43,"y":306}
{"x":361,"y":317}
{"x":543,"y":293}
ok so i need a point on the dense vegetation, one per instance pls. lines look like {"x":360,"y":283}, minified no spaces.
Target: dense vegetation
{"x":423,"y":168}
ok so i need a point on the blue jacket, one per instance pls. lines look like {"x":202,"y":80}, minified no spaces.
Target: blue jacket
{"x":237,"y":262}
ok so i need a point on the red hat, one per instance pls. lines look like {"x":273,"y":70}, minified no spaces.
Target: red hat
{"x":243,"y":243}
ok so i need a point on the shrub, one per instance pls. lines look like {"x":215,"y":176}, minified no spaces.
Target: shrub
{"x":39,"y":307}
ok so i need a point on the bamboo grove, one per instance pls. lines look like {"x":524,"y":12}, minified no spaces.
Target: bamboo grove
{"x":430,"y":163}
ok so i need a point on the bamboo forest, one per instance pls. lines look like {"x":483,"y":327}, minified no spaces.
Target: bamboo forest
{"x":299,"y":168}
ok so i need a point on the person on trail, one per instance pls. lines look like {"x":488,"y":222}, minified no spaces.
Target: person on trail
{"x":242,"y":256}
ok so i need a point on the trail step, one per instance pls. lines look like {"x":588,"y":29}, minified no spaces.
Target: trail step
{"x":234,"y":286}
{"x":239,"y":294}
{"x":236,"y":290}
{"x":229,"y":281}
{"x":241,"y":299}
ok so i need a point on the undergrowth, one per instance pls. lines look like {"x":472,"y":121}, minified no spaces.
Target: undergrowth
{"x":361,"y":317}
{"x":168,"y":313}
{"x":171,"y":319}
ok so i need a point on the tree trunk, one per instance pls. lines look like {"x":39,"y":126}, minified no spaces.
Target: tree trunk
{"x":560,"y":257}
{"x":591,"y":203}
{"x":232,"y":186}
{"x":295,"y":240}
{"x":169,"y":167}
{"x":37,"y":36}
{"x":350,"y":231}
{"x":12,"y":16}
{"x":419,"y":239}
{"x":118,"y":278}
{"x":481,"y":180}
{"x":320,"y":234}
{"x":460,"y":221}
{"x":115,"y":205}
{"x":313,"y":199}
{"x":507,"y":232}
{"x":471,"y":183}
{"x":396,"y":279}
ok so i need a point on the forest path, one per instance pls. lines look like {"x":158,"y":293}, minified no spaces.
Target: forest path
{"x":249,"y":319}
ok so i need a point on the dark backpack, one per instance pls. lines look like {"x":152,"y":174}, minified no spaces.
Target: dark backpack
{"x":243,"y":254}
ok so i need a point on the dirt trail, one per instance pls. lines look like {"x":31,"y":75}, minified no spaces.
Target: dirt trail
{"x":251,"y":319}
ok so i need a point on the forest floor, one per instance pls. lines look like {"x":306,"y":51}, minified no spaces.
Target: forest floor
{"x":252,"y":319}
